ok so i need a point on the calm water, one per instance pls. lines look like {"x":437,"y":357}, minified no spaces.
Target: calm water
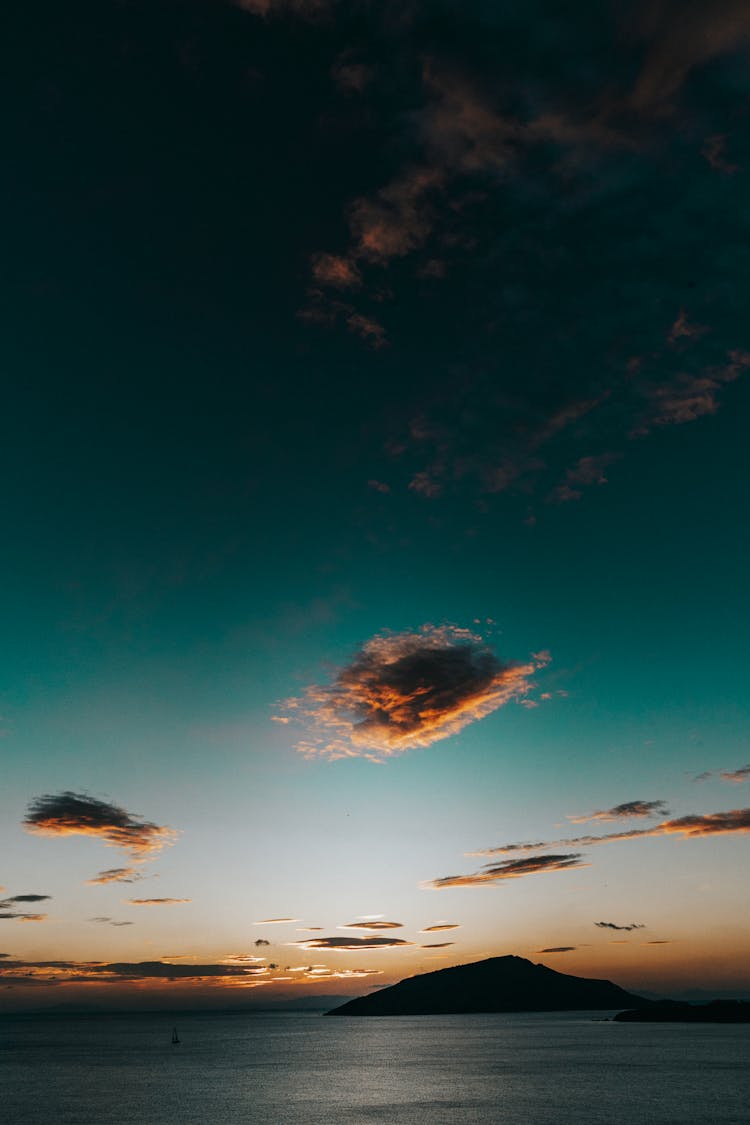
{"x":426,"y":1070}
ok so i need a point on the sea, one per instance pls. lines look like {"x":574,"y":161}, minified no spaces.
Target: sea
{"x":305,"y":1069}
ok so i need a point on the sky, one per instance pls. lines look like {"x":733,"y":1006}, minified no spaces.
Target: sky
{"x":375,"y":490}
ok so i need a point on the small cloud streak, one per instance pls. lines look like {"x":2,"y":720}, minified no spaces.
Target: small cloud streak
{"x":627,"y":928}
{"x":736,"y":776}
{"x":275,"y":921}
{"x":437,"y":945}
{"x":158,"y":901}
{"x":115,"y":875}
{"x":622,"y":812}
{"x":77,"y":814}
{"x":352,"y":944}
{"x":403,"y":690}
{"x":493,"y":873}
{"x":692,"y":826}
{"x":438,"y":926}
{"x":558,"y":949}
{"x":372,"y":926}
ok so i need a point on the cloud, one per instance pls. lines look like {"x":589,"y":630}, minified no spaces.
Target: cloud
{"x":403,"y":690}
{"x":682,"y":37}
{"x":105,"y":921}
{"x":368,"y":328}
{"x":622,"y":812}
{"x":373,"y":925}
{"x":613,"y":926}
{"x":587,"y":471}
{"x":437,"y":945}
{"x":19,"y":972}
{"x":493,"y":873}
{"x":24,"y":898}
{"x":260,"y":942}
{"x":77,"y":814}
{"x":666,"y":941}
{"x":692,"y":826}
{"x":158,"y":901}
{"x":275,"y":921}
{"x":116,"y":875}
{"x":736,"y":776}
{"x":438,"y":926}
{"x":333,"y":270}
{"x":352,"y":944}
{"x":6,"y":916}
{"x":688,"y":397}
{"x":557,"y":949}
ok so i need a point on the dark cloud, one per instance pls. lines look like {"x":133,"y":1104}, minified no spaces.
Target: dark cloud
{"x":665,"y":941}
{"x":437,"y":945}
{"x":158,"y":901}
{"x":613,"y":926}
{"x":20,"y":972}
{"x":493,"y":873}
{"x":693,"y":825}
{"x":24,"y":898}
{"x":557,"y":949}
{"x":353,"y":943}
{"x":105,"y":921}
{"x":622,"y":812}
{"x":261,"y":941}
{"x":77,"y":814}
{"x":507,"y":144}
{"x":403,"y":690}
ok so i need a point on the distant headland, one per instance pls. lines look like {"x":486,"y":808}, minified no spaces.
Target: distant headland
{"x":499,"y":984}
{"x":678,"y":1011}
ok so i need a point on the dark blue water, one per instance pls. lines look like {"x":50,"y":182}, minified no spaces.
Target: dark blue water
{"x":424,"y":1070}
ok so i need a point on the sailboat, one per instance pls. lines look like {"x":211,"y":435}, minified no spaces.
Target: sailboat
{"x":175,"y":1037}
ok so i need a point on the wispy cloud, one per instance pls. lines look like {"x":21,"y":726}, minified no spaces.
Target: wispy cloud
{"x":438,"y":926}
{"x":8,"y":911}
{"x":557,"y":949}
{"x":692,"y":826}
{"x":493,"y":873}
{"x":624,"y":811}
{"x":106,"y":921}
{"x":22,"y":973}
{"x":116,"y":875}
{"x":372,"y":925}
{"x":437,"y":945}
{"x":627,"y":928}
{"x":275,"y":921}
{"x":403,"y":690}
{"x":78,"y":814}
{"x":158,"y":901}
{"x":736,"y":776}
{"x":352,"y":944}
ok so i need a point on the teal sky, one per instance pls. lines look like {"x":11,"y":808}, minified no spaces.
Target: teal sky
{"x":333,"y":339}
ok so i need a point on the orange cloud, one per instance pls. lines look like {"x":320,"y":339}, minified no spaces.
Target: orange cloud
{"x":336,"y":271}
{"x":438,"y":926}
{"x":624,"y":811}
{"x":693,"y":825}
{"x":274,"y":921}
{"x":116,"y":875}
{"x":736,"y":776}
{"x":404,"y":690}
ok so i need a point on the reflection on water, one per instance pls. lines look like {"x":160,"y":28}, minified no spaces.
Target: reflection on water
{"x":549,"y":1069}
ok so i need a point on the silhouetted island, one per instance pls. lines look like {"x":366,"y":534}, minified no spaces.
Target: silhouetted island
{"x":499,"y":984}
{"x":679,"y":1011}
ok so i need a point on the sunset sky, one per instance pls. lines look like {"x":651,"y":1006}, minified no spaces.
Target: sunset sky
{"x":375,"y":496}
